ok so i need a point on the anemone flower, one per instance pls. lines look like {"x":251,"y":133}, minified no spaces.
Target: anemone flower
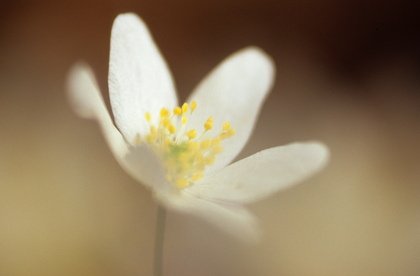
{"x":183,"y":152}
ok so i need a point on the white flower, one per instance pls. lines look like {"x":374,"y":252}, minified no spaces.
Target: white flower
{"x":182,"y":153}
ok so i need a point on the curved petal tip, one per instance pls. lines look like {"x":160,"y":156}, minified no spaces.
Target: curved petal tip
{"x":82,"y":90}
{"x":320,"y":151}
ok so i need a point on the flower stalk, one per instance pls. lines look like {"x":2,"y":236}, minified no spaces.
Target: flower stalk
{"x":159,"y":241}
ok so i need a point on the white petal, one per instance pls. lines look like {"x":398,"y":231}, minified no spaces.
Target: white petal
{"x":87,"y":101}
{"x":139,"y":79}
{"x":142,"y":164}
{"x":231,"y":218}
{"x":264,"y":173}
{"x":234,"y":91}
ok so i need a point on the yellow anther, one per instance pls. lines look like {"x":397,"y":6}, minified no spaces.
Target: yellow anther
{"x":166,"y":122}
{"x":217,"y":150}
{"x":191,"y":134}
{"x":215,"y":142}
{"x":148,"y":116}
{"x":164,"y":112}
{"x":208,"y":124}
{"x":153,"y":130}
{"x":226,"y":126}
{"x":205,"y":144}
{"x":196,"y":177}
{"x":184,"y":107}
{"x":223,"y":136}
{"x":199,"y":156}
{"x":227,"y":134}
{"x":184,"y":119}
{"x":182,"y":183}
{"x":231,"y":132}
{"x":211,"y":160}
{"x":193,"y":146}
{"x":172,"y":129}
{"x":177,"y":110}
{"x":193,"y":105}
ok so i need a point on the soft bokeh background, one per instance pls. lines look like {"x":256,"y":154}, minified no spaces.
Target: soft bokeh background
{"x":348,"y":75}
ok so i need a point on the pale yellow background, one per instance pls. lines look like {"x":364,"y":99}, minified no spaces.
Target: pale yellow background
{"x":348,"y":75}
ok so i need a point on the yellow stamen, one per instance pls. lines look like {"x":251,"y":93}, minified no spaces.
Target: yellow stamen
{"x":191,"y":134}
{"x":231,"y":132}
{"x":215,"y":142}
{"x":193,"y":146}
{"x":184,"y":154}
{"x":226,"y":126}
{"x":205,"y":144}
{"x":172,"y":129}
{"x":177,"y":110}
{"x":197,"y":177}
{"x":148,"y":116}
{"x":182,"y":183}
{"x":208,"y":124}
{"x":217,"y":150}
{"x":153,"y":130}
{"x":164,"y":112}
{"x":211,"y":160}
{"x":184,"y":108}
{"x":193,"y":106}
{"x":166,"y":122}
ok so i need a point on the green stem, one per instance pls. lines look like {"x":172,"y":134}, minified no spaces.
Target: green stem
{"x":159,"y":241}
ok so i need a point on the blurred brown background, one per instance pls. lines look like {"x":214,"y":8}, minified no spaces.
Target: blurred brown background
{"x":348,"y":75}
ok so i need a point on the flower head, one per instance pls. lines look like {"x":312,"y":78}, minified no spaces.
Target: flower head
{"x":182,"y":152}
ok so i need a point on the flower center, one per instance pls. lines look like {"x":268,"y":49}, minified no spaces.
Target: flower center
{"x":184,"y":154}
